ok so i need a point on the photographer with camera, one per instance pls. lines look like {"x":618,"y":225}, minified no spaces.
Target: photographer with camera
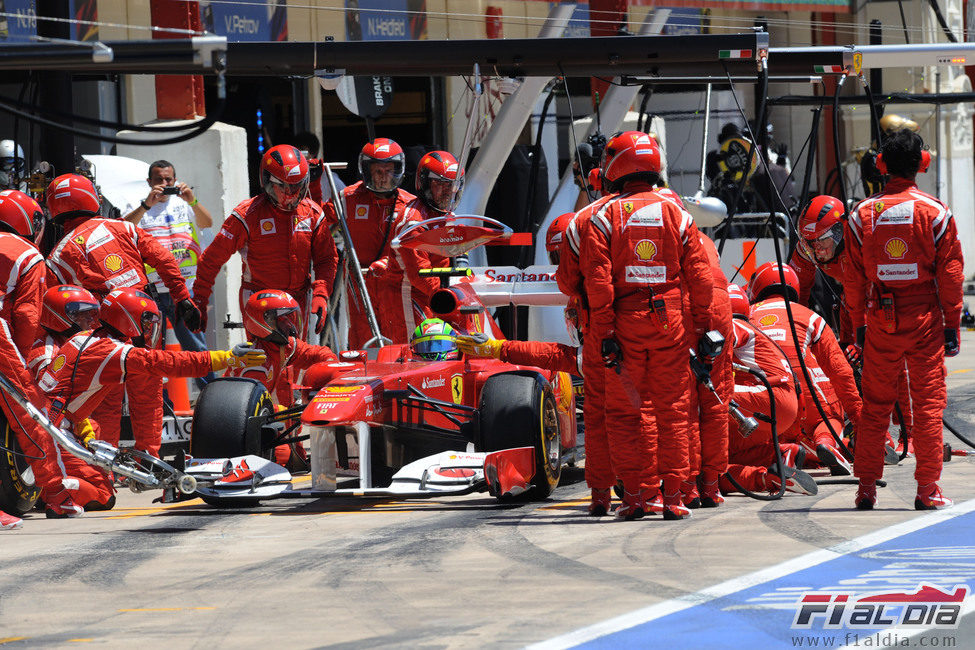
{"x":587,"y":159}
{"x":173,"y":215}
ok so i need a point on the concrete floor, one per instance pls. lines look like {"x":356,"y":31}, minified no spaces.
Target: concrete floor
{"x":447,"y":573}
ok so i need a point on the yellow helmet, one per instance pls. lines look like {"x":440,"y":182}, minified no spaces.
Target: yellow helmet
{"x":894,"y":122}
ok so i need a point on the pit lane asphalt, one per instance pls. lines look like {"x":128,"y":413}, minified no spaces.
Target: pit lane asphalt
{"x":446,"y":573}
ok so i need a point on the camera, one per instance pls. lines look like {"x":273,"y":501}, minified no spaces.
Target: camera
{"x":170,"y":190}
{"x":590,"y":152}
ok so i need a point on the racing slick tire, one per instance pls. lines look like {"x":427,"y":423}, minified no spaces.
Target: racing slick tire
{"x":18,"y":492}
{"x":521,"y":411}
{"x":221,"y":415}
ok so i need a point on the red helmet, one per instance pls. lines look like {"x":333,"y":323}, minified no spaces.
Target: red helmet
{"x":556,"y":231}
{"x":132,"y":314}
{"x":925,"y":161}
{"x":630,"y":156}
{"x":595,"y":180}
{"x":822,"y":220}
{"x":437,"y":166}
{"x":21,"y":215}
{"x":284,"y":176}
{"x":555,"y":234}
{"x":382,"y":150}
{"x":273,"y":315}
{"x":68,"y":309}
{"x":739,"y":301}
{"x":71,"y":193}
{"x":767,"y":280}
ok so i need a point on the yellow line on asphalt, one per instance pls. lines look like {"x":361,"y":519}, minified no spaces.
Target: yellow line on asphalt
{"x":958,"y":372}
{"x":566,"y":504}
{"x":80,"y":640}
{"x":164,"y":609}
{"x":127,"y":513}
{"x":11,"y":639}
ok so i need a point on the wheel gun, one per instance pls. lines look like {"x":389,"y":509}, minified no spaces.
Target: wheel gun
{"x":709,"y":347}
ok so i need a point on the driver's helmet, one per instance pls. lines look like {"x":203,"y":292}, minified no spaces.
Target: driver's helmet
{"x":13,"y":167}
{"x":434,"y":339}
{"x":284,"y":176}
{"x":272,"y":315}
{"x":131,"y":314}
{"x":68,"y":309}
{"x":21,"y":215}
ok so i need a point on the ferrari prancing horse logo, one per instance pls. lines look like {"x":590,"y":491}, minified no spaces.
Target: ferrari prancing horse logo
{"x":457,"y":388}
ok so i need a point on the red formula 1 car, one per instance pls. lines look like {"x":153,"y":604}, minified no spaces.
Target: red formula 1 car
{"x":392,"y":424}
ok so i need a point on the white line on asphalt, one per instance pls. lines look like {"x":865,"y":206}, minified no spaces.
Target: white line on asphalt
{"x":646,"y":614}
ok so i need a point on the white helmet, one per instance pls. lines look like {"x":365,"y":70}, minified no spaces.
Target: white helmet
{"x":13,"y":167}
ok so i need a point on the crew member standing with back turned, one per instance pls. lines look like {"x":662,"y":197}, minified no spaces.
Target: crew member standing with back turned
{"x":640,"y":253}
{"x":906,"y":285}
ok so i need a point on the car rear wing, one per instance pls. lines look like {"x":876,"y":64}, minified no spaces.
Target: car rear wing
{"x":499,"y":286}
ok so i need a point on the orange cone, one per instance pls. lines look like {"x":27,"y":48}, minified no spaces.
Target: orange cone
{"x":176,"y":387}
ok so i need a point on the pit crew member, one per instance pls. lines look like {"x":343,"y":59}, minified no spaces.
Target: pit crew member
{"x":906,"y":286}
{"x":21,"y":228}
{"x":91,"y":364}
{"x":280,"y":237}
{"x":751,"y":459}
{"x":823,"y":357}
{"x":373,"y":208}
{"x":640,"y":253}
{"x":106,"y":254}
{"x":272,"y":319}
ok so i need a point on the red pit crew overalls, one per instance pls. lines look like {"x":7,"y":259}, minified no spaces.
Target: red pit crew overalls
{"x":750,"y":457}
{"x":599,"y":468}
{"x":906,"y":284}
{"x":638,"y":255}
{"x":278,"y":249}
{"x":22,"y":267}
{"x":105,"y":254}
{"x":827,"y":365}
{"x":85,"y":374}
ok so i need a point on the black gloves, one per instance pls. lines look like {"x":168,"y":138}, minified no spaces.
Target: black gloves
{"x":187,"y":312}
{"x":952,"y":343}
{"x":612,"y":354}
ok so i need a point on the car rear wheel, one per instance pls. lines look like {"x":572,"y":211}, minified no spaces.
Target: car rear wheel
{"x":18,"y":491}
{"x":520,"y":411}
{"x":221,"y":415}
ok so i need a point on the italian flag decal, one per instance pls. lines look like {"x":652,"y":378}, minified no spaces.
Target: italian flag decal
{"x":829,"y":69}
{"x":734,"y":54}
